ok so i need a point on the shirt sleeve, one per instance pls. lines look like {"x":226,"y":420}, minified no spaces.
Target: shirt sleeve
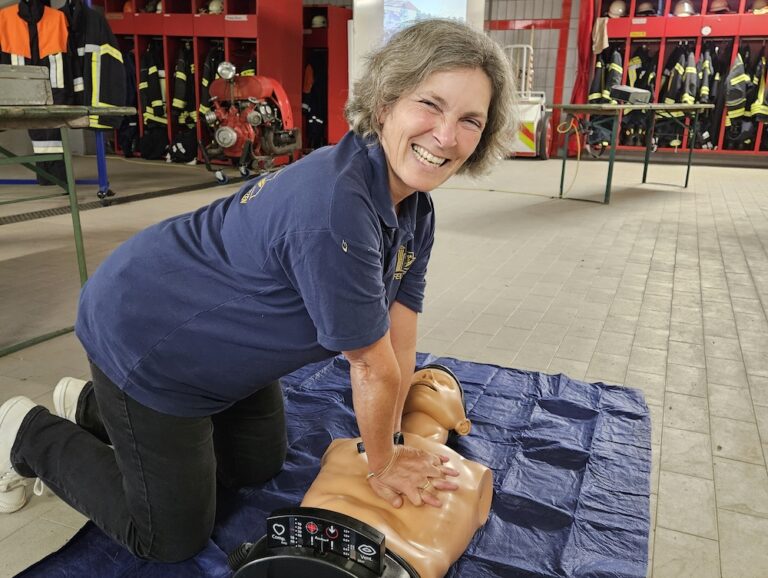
{"x":341,"y":284}
{"x":414,"y":283}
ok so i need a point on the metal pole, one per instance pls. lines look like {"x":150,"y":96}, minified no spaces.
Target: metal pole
{"x":612,"y":158}
{"x":72,"y":194}
{"x":565,"y":157}
{"x":691,"y":144}
{"x":34,"y":341}
{"x":649,"y":143}
{"x":101,"y":162}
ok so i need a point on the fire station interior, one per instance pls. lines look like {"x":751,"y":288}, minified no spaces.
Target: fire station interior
{"x":631,"y":257}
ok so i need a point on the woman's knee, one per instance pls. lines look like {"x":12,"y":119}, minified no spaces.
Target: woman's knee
{"x":175,"y":546}
{"x":272,"y":465}
{"x":250,"y":473}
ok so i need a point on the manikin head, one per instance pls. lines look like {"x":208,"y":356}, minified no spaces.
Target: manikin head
{"x":435,"y":405}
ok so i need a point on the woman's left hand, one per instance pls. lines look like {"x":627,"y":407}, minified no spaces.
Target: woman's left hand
{"x":416,"y":474}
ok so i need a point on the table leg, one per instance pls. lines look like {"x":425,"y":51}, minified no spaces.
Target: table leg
{"x":691,"y":144}
{"x":101,"y":162}
{"x":649,"y":143}
{"x":72,"y":194}
{"x":612,"y":158}
{"x":565,"y":157}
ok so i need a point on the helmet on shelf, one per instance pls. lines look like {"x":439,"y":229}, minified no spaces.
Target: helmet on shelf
{"x":684,"y":8}
{"x":215,"y":7}
{"x":617,"y":9}
{"x":719,"y":7}
{"x":159,"y":7}
{"x":128,"y":6}
{"x":759,"y":5}
{"x":319,"y":21}
{"x":645,"y":9}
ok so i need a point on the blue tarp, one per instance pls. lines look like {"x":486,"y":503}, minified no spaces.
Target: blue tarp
{"x":571,"y":464}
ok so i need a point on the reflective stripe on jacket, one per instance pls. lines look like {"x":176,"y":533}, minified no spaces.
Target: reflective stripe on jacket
{"x":97,"y":63}
{"x":736,"y":91}
{"x":152,"y":105}
{"x":183,"y":103}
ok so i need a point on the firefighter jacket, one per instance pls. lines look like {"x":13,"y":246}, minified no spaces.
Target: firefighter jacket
{"x":754,"y":102}
{"x":151,"y":75}
{"x":690,"y":80}
{"x":97,"y":63}
{"x":211,"y":63}
{"x":613,"y":75}
{"x":707,"y":83}
{"x":604,"y":78}
{"x":736,"y":91}
{"x":250,"y":67}
{"x":595,"y":95}
{"x":314,"y":98}
{"x":128,"y":131}
{"x":646,"y":75}
{"x":672,"y":77}
{"x":760,"y":107}
{"x":183,"y":103}
{"x":704,"y":73}
{"x":641,"y":73}
{"x":674,"y":88}
{"x":716,"y":86}
{"x":34,"y":34}
{"x":635,"y":66}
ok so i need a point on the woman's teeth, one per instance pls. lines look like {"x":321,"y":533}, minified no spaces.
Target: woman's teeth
{"x":427,"y":157}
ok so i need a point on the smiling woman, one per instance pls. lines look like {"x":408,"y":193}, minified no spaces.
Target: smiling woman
{"x":190,"y":324}
{"x":429,"y":134}
{"x":418,"y":52}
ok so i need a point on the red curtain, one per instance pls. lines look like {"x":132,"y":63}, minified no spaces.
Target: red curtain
{"x":584,"y":41}
{"x":586,"y":18}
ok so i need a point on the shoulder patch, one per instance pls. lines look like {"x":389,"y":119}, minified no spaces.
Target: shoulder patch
{"x":254,"y":191}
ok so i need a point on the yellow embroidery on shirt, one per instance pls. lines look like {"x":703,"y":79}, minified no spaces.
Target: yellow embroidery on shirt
{"x":404,"y":261}
{"x":253,"y":192}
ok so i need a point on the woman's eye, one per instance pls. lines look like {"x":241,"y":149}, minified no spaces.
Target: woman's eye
{"x":475,"y":123}
{"x":428,"y":103}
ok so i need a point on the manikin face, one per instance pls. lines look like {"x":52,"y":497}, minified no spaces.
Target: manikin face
{"x":429,"y":133}
{"x":437,"y":394}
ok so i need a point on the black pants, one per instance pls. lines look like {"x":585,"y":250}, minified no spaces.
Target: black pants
{"x":155,"y":492}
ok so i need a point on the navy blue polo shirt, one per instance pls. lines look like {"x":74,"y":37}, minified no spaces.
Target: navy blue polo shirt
{"x":200,"y":310}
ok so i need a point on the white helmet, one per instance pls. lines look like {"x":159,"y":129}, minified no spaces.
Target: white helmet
{"x":215,"y":7}
{"x":159,"y":7}
{"x":645,"y":9}
{"x":719,"y":6}
{"x":684,"y":8}
{"x":759,"y":5}
{"x":319,"y":21}
{"x":617,"y":9}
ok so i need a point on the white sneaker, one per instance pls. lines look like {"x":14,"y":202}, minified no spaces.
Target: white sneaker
{"x":13,"y":492}
{"x":66,"y":395}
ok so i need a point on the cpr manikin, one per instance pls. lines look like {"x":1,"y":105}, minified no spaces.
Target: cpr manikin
{"x":430,"y":539}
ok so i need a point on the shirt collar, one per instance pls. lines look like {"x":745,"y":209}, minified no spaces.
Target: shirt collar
{"x":382,"y":198}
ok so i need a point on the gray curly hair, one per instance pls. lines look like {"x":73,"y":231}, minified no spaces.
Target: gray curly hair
{"x":433,"y":46}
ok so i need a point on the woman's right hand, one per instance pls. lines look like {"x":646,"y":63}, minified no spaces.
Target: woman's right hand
{"x":416,"y":474}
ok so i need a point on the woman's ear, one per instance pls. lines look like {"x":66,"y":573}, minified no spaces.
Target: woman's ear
{"x":382,"y":115}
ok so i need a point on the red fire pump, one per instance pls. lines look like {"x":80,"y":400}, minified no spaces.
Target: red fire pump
{"x":251,"y":119}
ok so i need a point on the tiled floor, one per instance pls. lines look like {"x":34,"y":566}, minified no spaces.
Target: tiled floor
{"x":664,"y":290}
